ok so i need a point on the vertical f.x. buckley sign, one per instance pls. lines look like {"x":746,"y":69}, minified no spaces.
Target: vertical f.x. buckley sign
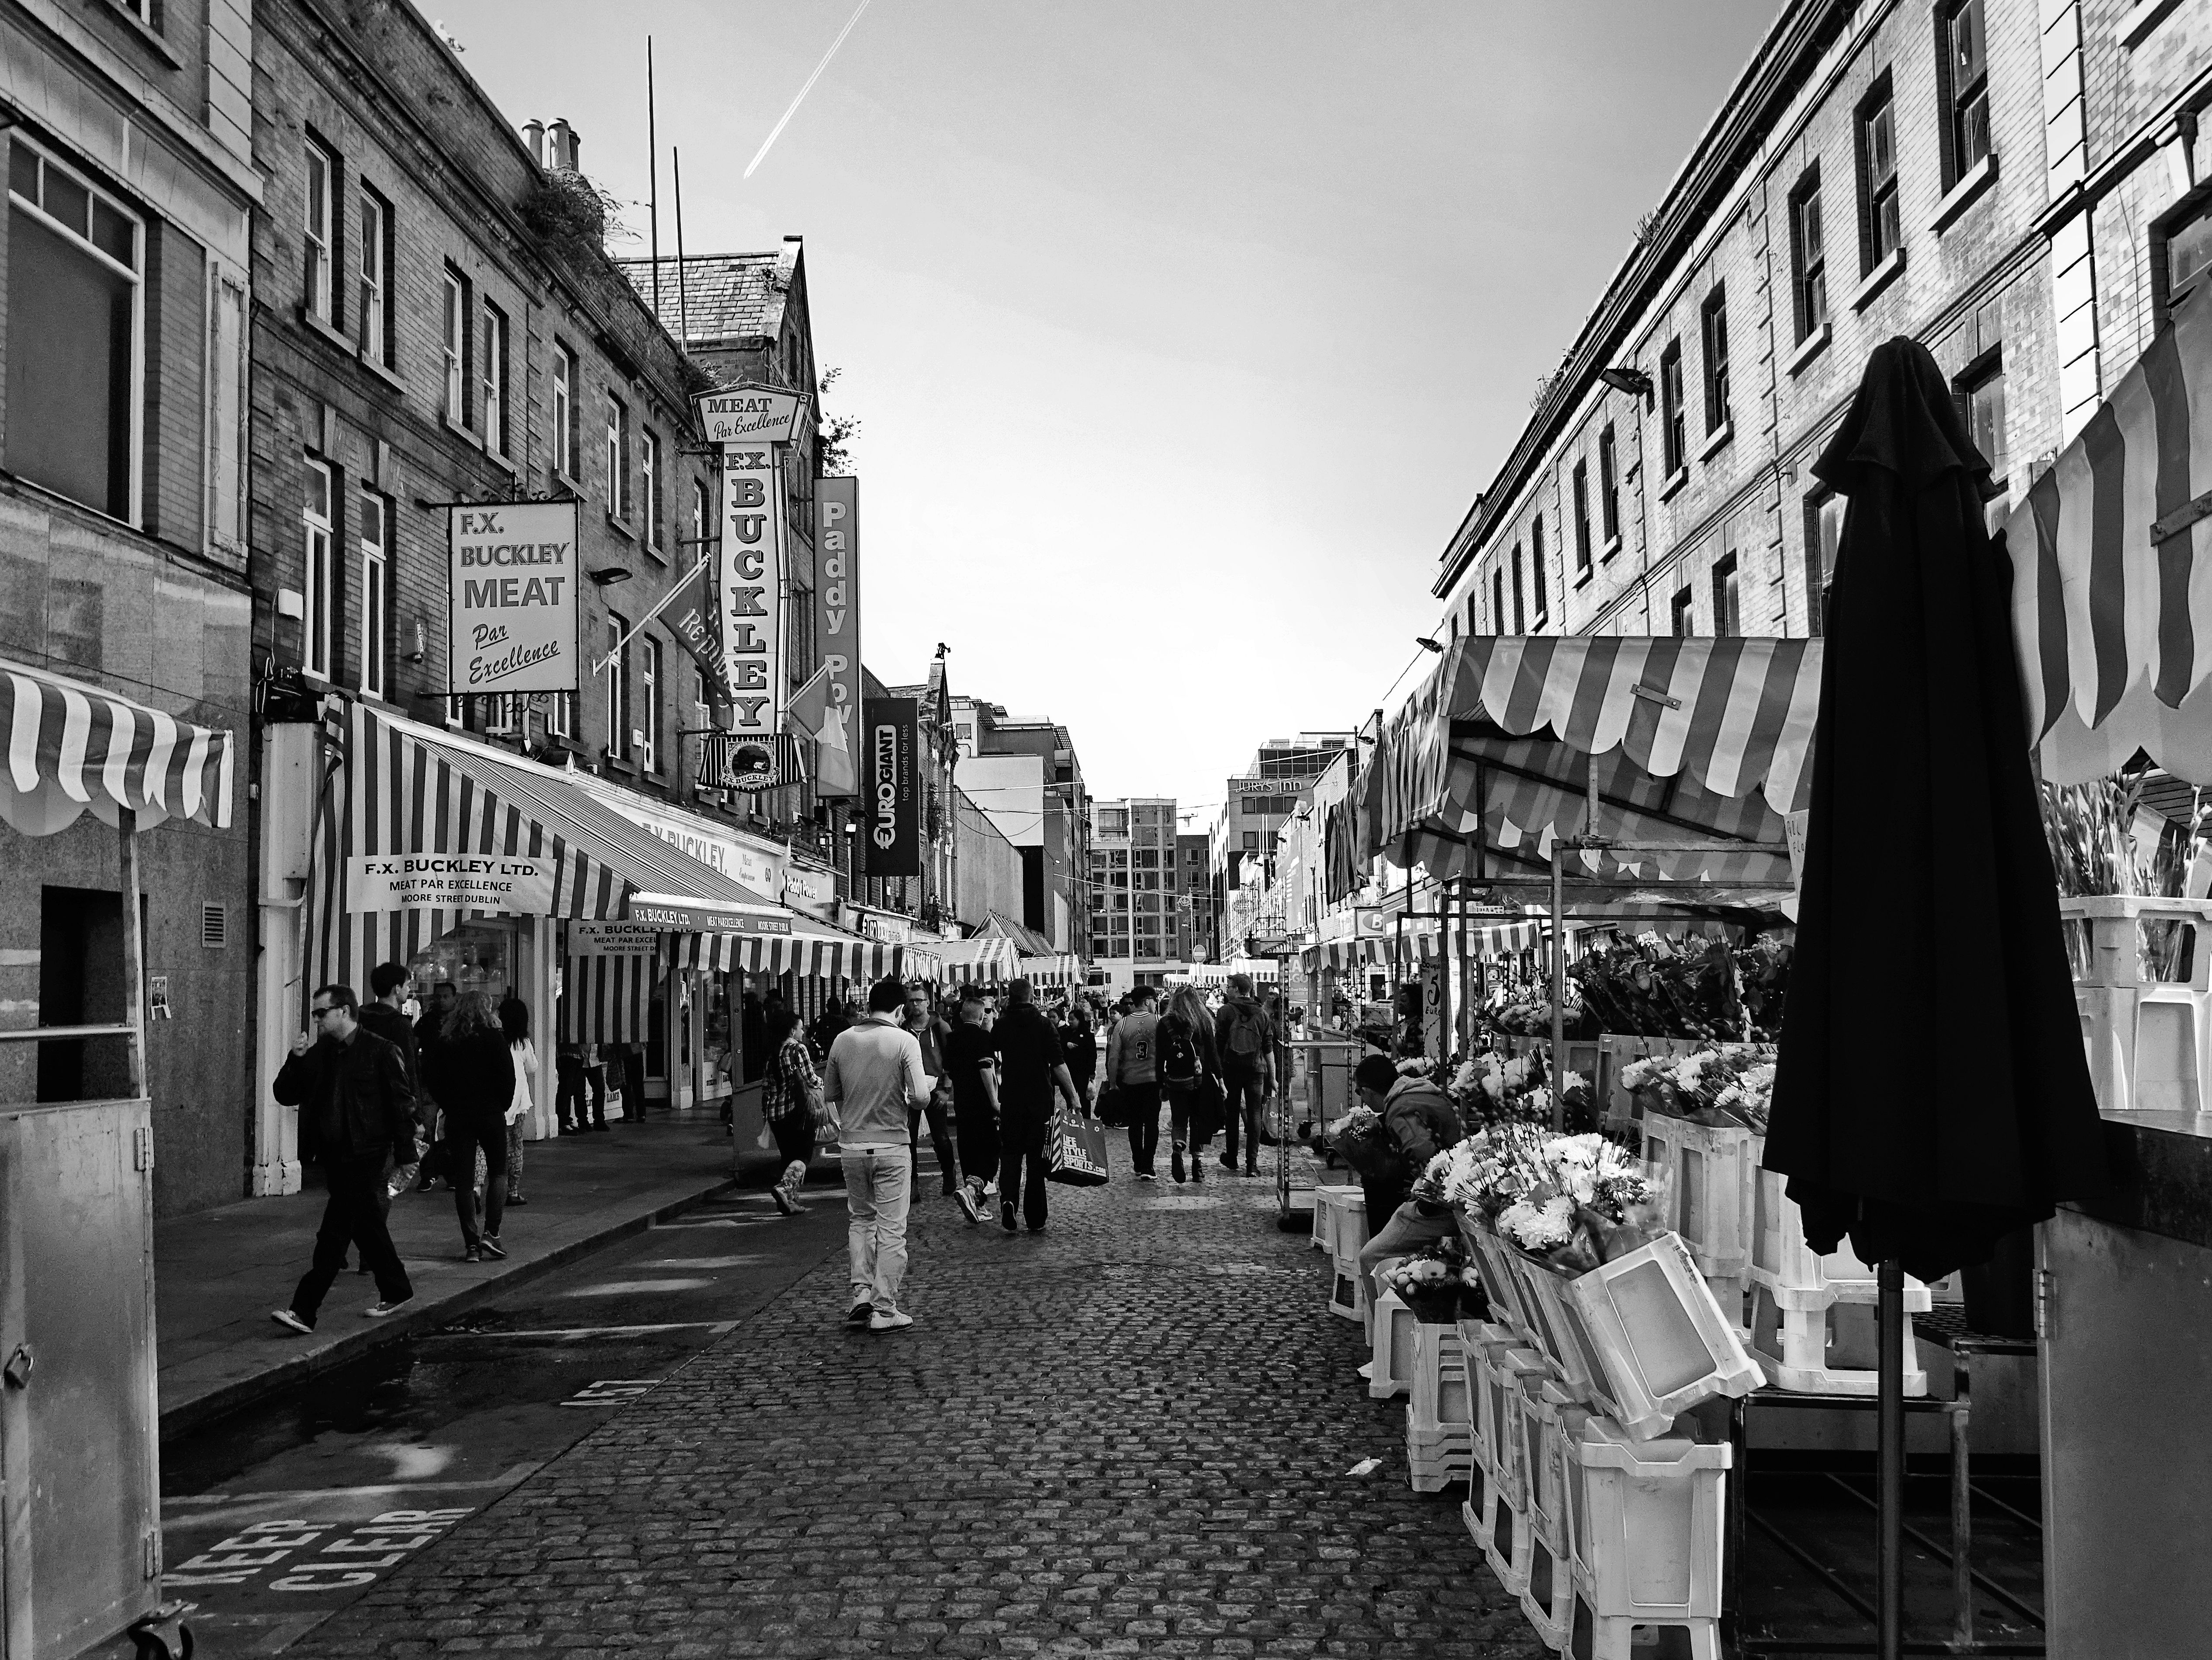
{"x":749,"y":422}
{"x":837,"y":602}
{"x":891,"y":786}
{"x":512,"y":605}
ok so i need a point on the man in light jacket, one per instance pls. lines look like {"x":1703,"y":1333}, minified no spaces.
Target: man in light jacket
{"x":1133,"y":1067}
{"x":874,"y":1078}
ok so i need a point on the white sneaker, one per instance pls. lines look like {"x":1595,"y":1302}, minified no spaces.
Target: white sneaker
{"x":287,"y":1318}
{"x":894,"y":1321}
{"x":990,"y":1189}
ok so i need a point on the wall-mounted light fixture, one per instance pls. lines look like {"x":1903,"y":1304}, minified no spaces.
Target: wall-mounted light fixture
{"x":421,"y":642}
{"x":608,"y":575}
{"x":1427,"y":644}
{"x":1628,"y":379}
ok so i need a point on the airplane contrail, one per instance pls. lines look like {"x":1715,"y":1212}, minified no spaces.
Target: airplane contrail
{"x":774,"y":131}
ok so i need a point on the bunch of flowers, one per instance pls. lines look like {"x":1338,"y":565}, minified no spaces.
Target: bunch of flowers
{"x":1574,"y":1200}
{"x":1488,"y":1089}
{"x":1436,"y":1282}
{"x":1730,"y":1083}
{"x":1363,"y":1141}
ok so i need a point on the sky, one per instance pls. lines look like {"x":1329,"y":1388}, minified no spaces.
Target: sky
{"x":1182,"y":333}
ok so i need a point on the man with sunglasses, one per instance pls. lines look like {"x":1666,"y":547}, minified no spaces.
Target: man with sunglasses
{"x":357,"y":1121}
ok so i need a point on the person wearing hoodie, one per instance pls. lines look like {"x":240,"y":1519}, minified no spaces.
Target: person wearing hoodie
{"x":1422,"y":1123}
{"x":1244,"y":1037}
{"x":471,"y":1070}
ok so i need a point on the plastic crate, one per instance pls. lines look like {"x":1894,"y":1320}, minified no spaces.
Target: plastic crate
{"x":1392,"y":1347}
{"x":1548,"y":1417}
{"x":1494,"y":1265}
{"x":1485,"y":1347}
{"x":1561,"y":1335}
{"x":1661,"y":1341}
{"x":1437,"y":1403}
{"x":1707,"y":1173}
{"x":1340,"y":1225}
{"x":1801,"y":1277}
{"x":1645,"y":1529}
{"x":1347,"y":1292}
{"x":2150,"y":1039}
{"x":1434,"y":1462}
{"x":1828,"y":1346}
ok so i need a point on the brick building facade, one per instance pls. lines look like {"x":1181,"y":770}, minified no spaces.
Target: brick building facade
{"x":123,"y":550}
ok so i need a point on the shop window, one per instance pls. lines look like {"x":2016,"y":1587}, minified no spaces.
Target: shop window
{"x":1712,"y":328}
{"x":1808,"y":256}
{"x":74,"y":311}
{"x":564,"y":411}
{"x":494,"y":379}
{"x":375,"y":596}
{"x":1727,"y":614}
{"x":1880,"y":230}
{"x":319,"y":241}
{"x":1684,"y":614}
{"x":319,"y":575}
{"x":1536,"y":568}
{"x":454,"y":337}
{"x":1673,"y":440}
{"x":1582,"y":519}
{"x":1824,"y":534}
{"x":618,"y":687}
{"x":649,"y":484}
{"x":376,"y":330}
{"x":1964,"y":88}
{"x":648,"y":687}
{"x":81,"y":983}
{"x":1981,"y":394}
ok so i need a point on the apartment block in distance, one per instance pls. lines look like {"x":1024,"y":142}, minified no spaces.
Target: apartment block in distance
{"x":1133,"y":872}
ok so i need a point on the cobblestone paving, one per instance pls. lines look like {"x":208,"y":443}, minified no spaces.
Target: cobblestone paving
{"x":1128,"y":1435}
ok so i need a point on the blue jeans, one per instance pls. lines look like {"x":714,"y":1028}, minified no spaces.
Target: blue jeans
{"x":878,"y":1189}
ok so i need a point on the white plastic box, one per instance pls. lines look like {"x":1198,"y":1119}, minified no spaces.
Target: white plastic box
{"x":2150,"y":1039}
{"x":1661,"y":1341}
{"x":1645,"y":1526}
{"x":1392,"y":1349}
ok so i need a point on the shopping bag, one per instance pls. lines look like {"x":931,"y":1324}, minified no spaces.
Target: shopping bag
{"x":826,"y":1126}
{"x":1110,"y":1108}
{"x":1208,"y":1108}
{"x":1075,"y":1150}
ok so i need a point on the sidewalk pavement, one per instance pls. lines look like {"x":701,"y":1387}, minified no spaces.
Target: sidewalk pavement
{"x":218,"y":1273}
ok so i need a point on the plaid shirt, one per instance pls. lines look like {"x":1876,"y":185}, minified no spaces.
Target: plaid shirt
{"x":790,"y":1075}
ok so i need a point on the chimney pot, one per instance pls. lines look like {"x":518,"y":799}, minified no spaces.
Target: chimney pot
{"x":533,"y":134}
{"x":566,"y":144}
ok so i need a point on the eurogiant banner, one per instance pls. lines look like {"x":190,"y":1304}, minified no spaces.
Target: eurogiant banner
{"x":512,"y":611}
{"x":837,"y":608}
{"x":891,"y":786}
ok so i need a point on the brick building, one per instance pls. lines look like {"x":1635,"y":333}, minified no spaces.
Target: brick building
{"x":123,"y":544}
{"x":1879,"y":169}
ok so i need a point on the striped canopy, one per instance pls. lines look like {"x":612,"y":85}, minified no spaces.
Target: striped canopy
{"x":807,"y":955}
{"x":2112,"y":556}
{"x":1062,"y":967}
{"x":71,"y":746}
{"x":1690,"y":740}
{"x":984,"y":960}
{"x":605,"y":999}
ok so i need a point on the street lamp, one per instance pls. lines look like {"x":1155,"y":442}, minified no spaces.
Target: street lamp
{"x":1427,"y":644}
{"x":1628,"y":379}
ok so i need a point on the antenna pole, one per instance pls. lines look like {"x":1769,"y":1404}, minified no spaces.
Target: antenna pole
{"x":652,"y":189}
{"x":683,"y":309}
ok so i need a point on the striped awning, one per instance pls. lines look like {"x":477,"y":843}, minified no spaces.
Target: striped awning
{"x":1060,"y":967}
{"x":807,"y":955}
{"x":1690,"y":740}
{"x":2112,"y":557}
{"x":71,"y":746}
{"x":984,"y":960}
{"x":606,"y":999}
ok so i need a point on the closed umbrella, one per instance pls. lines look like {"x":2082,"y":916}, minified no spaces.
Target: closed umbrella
{"x":1932,"y":1092}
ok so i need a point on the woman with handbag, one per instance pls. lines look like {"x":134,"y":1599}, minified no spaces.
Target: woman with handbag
{"x":790,"y":1100}
{"x":515,"y":1021}
{"x":1190,"y":1079}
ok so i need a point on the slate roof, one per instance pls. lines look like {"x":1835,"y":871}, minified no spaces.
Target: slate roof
{"x":725,"y":296}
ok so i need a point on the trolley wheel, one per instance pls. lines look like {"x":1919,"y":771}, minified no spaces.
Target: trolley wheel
{"x":163,"y":1635}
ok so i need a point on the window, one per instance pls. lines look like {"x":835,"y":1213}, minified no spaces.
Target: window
{"x":74,"y":310}
{"x":1879,"y":233}
{"x":1982,"y":402}
{"x":617,"y":458}
{"x":1520,"y":618}
{"x":1809,"y":257}
{"x":455,"y":335}
{"x":618,"y":687}
{"x":649,"y":479}
{"x":648,"y":686}
{"x":322,"y":187}
{"x":699,"y":518}
{"x":1582,"y":518}
{"x":2181,"y":252}
{"x":1608,"y":485}
{"x":1712,"y":327}
{"x":375,"y":277}
{"x":1728,"y":616}
{"x":1498,"y":600}
{"x":1824,"y":534}
{"x":494,"y":379}
{"x":1536,"y":567}
{"x":564,"y":411}
{"x":1673,"y":441}
{"x":320,"y":574}
{"x":1684,"y":619}
{"x":1965,"y":90}
{"x":1251,"y":840}
{"x":375,"y":596}
{"x":560,"y":715}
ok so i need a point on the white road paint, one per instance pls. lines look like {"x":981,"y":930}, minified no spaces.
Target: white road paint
{"x":415,"y":1463}
{"x":705,"y":1261}
{"x":634,"y":1287}
{"x":574,"y":1333}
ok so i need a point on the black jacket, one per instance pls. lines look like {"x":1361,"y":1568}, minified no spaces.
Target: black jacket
{"x":1423,"y":1121}
{"x":381,"y":1107}
{"x":472,"y":1077}
{"x":399,"y":1030}
{"x":1234,"y":1011}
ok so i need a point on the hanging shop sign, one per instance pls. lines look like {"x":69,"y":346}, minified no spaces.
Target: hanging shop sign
{"x":812,"y":891}
{"x":748,"y":586}
{"x":656,"y":910}
{"x":837,"y":609}
{"x":515,"y":885}
{"x":613,"y":940}
{"x":751,"y":414}
{"x":512,"y":611}
{"x":890,"y":815}
{"x":728,"y":762}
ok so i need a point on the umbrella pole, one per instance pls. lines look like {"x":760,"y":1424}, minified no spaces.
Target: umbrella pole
{"x":1558,"y":1066}
{"x":1889,"y":1462}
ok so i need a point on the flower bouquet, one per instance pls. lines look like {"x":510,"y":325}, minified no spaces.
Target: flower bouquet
{"x":1729,"y":1084}
{"x":1438,"y":1285}
{"x":1362,"y":1140}
{"x":1572,"y":1200}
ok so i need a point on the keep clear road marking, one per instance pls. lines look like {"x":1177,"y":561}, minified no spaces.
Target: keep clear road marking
{"x":712,"y":1327}
{"x":344,"y":1558}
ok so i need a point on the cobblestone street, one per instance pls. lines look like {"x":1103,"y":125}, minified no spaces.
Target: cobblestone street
{"x":1130,"y":1435}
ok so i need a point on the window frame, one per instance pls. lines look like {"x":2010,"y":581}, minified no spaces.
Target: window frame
{"x":1497,"y":597}
{"x":135,"y":436}
{"x":1684,"y":618}
{"x":618,"y":687}
{"x":1808,"y":256}
{"x":375,"y":273}
{"x":454,"y":326}
{"x":1713,"y":350}
{"x":1727,"y":598}
{"x":1673,"y":423}
{"x":1877,"y":193}
{"x":648,"y":752}
{"x":1584,"y":555}
{"x":648,"y":478}
{"x":566,"y":369}
{"x":1817,"y":575}
{"x":491,"y":377}
{"x":1985,"y":370}
{"x":1539,"y":590}
{"x":2193,"y":210}
{"x":374,"y":679}
{"x":1520,"y":606}
{"x":701,"y":516}
{"x":617,"y":480}
{"x":1957,"y":102}
{"x":318,"y":574}
{"x":318,"y":235}
{"x":1608,"y":480}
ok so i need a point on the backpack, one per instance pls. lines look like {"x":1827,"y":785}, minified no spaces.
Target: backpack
{"x":1244,"y":1041}
{"x":1179,"y":1065}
